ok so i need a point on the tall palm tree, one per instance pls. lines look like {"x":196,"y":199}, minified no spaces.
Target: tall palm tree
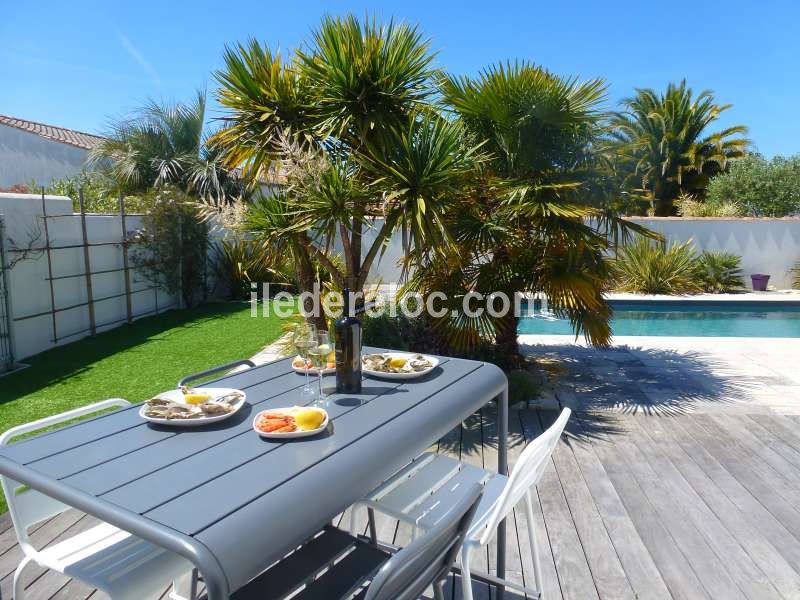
{"x":522,"y":227}
{"x":664,"y":147}
{"x":163,"y":143}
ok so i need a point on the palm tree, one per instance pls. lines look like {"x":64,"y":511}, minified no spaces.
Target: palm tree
{"x":663,"y":147}
{"x":522,"y":226}
{"x":164,"y":144}
{"x":349,"y":123}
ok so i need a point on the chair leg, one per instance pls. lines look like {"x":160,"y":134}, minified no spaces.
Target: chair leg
{"x":466,"y":576}
{"x":353,"y":513}
{"x":185,"y":588}
{"x":438,"y":591}
{"x":19,"y":584}
{"x":373,"y":529}
{"x":537,"y":566}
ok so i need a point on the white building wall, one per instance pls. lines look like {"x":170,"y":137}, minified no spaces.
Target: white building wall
{"x":25,"y":156}
{"x":770,"y":246}
{"x":29,"y":286}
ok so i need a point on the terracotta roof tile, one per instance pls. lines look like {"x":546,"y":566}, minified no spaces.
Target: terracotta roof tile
{"x":59,"y":134}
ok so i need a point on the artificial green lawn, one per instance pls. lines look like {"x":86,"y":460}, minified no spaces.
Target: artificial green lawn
{"x":134,"y":361}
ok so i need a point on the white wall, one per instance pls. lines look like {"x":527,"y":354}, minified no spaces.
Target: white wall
{"x":30,"y":290}
{"x":385,"y":269}
{"x":25,"y":156}
{"x":770,"y":246}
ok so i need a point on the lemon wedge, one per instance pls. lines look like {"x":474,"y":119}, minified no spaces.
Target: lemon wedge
{"x":308,"y":419}
{"x":196,"y":398}
{"x":398,"y":362}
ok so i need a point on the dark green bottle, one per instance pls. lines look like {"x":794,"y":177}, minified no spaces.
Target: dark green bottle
{"x":348,"y":349}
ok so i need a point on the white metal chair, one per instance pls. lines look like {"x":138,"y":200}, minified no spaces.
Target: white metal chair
{"x":426,"y":488}
{"x":114,"y":561}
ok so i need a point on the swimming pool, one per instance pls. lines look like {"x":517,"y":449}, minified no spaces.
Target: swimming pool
{"x":685,"y":318}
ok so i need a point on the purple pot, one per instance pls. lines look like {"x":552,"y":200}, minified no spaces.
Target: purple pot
{"x":760,"y":282}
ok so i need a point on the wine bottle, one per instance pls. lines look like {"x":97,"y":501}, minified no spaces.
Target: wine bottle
{"x":348,"y":349}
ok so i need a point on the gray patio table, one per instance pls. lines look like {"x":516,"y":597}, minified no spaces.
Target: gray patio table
{"x":231,"y":502}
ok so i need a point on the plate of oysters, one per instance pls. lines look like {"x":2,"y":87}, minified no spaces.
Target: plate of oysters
{"x":398,"y":365}
{"x":192,"y":407}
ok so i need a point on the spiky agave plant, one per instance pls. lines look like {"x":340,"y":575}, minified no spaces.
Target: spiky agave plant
{"x":721,"y":272}
{"x":649,"y":267}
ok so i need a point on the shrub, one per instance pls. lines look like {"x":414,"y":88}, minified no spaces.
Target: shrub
{"x":172,"y":246}
{"x":688,"y":206}
{"x":722,"y":272}
{"x":657,"y":268}
{"x":523,"y":385}
{"x":99,"y":195}
{"x":796,"y":276}
{"x":400,"y":332}
{"x":764,"y":188}
{"x":241,"y":262}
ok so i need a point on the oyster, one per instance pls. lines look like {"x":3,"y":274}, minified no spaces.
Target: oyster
{"x":161,"y":408}
{"x":387,"y":363}
{"x":164,"y":408}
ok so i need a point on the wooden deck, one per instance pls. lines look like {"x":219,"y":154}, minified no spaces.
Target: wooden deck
{"x":678,"y":506}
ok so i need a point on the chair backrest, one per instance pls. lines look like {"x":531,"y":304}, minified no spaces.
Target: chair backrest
{"x":428,"y":559}
{"x":27,"y":506}
{"x":526,"y":474}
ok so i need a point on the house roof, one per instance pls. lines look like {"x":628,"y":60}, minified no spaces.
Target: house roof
{"x":58,"y":134}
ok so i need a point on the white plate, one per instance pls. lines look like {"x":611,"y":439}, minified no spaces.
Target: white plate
{"x":311,"y":371}
{"x":412,"y":375}
{"x":177,"y":396}
{"x":289,"y":434}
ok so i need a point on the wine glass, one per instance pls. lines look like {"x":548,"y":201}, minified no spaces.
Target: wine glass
{"x":320,"y":355}
{"x":305,"y":337}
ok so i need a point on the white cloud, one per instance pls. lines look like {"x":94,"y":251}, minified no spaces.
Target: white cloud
{"x":138,"y":57}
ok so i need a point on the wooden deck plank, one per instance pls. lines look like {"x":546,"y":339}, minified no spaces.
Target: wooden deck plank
{"x":751,"y":476}
{"x":642,"y":573}
{"x":680,"y":494}
{"x":761,"y":428}
{"x":784,"y":428}
{"x":760,"y":447}
{"x":574,"y":574}
{"x":677,"y":520}
{"x":754,"y":541}
{"x":607,"y":572}
{"x":675,"y":569}
{"x":759,"y":516}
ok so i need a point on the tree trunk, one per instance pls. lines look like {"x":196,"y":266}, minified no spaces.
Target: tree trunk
{"x":307,"y":278}
{"x":506,"y":341}
{"x":663,"y":207}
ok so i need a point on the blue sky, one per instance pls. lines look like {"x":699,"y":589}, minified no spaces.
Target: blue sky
{"x":76,"y":64}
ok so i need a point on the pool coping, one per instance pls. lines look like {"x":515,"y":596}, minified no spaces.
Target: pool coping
{"x":775,"y":296}
{"x":550,"y":339}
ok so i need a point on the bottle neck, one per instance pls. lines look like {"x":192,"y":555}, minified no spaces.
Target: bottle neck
{"x":346,"y":303}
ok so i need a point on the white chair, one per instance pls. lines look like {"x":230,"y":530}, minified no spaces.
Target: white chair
{"x":423,"y":492}
{"x":114,"y":561}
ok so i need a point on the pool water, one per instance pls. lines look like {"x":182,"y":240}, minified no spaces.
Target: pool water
{"x":679,"y":318}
